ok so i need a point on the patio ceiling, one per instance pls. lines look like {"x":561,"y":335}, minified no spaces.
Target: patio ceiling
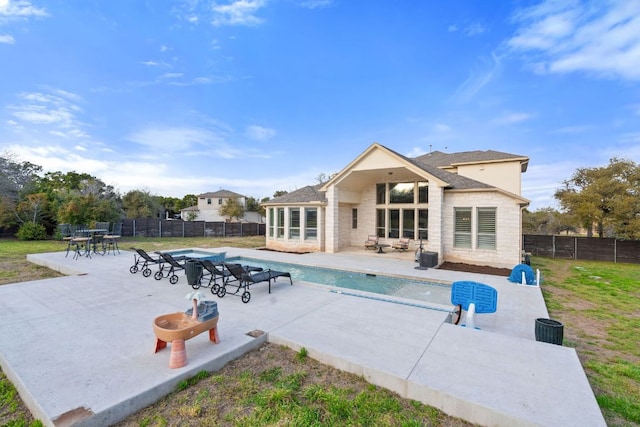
{"x":358,"y":180}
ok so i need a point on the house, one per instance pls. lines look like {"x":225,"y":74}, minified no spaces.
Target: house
{"x":209,"y":204}
{"x":466,"y":207}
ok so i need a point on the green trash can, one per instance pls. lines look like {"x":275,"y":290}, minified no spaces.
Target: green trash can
{"x":193,"y":269}
{"x":550,"y":331}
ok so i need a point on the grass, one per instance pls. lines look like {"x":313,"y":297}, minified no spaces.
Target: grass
{"x":598,"y":302}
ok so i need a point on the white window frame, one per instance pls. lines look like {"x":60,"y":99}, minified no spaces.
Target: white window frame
{"x":462,"y":227}
{"x":486,"y":227}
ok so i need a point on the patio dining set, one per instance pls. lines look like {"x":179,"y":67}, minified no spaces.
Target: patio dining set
{"x":85,"y":240}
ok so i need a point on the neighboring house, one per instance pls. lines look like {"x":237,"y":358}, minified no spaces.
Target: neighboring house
{"x":466,"y":207}
{"x":209,"y":204}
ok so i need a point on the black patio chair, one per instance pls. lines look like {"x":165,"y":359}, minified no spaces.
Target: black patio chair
{"x":142,"y":262}
{"x":246,"y":276}
{"x":175,"y":264}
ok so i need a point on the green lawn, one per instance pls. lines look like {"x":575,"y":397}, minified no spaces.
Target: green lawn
{"x":599,"y":304}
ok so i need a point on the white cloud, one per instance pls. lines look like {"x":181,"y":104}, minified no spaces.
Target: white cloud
{"x":55,"y":111}
{"x":573,"y":130}
{"x":238,"y":12}
{"x":452,"y":28}
{"x":510,"y":118}
{"x":175,"y":139}
{"x":441,"y":128}
{"x":19,"y":9}
{"x":259,"y":133}
{"x":317,"y":4}
{"x":474,"y":29}
{"x":171,"y":76}
{"x":601,"y":38}
{"x":7,"y":39}
{"x":479,"y":76}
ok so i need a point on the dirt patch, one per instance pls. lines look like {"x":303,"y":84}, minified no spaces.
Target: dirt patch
{"x":480,"y":269}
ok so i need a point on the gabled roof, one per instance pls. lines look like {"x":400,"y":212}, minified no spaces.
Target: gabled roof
{"x":443,"y":160}
{"x":220,"y":194}
{"x":308,"y":194}
{"x":431,"y":164}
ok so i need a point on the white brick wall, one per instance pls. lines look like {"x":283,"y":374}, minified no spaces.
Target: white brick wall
{"x":508,"y":237}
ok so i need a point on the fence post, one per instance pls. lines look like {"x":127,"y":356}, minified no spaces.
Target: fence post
{"x":134,"y":228}
{"x":553,"y":246}
{"x":241,"y":232}
{"x":575,"y":248}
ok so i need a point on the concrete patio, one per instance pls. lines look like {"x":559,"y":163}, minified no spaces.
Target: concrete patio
{"x":80,"y":349}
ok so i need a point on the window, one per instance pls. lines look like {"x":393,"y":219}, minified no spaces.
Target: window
{"x":401,"y":192}
{"x":219,"y":201}
{"x":394,"y":223}
{"x":294,"y":223}
{"x":280,"y":223}
{"x":381,"y":191}
{"x":462,"y":231}
{"x":311,"y":224}
{"x":354,"y":218}
{"x":486,"y":238}
{"x":423,"y":192}
{"x":380,"y":222}
{"x":408,"y":223}
{"x":423,"y":224}
{"x":272,"y":223}
{"x":208,"y":201}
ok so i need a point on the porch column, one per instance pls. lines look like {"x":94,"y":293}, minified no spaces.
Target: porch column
{"x":331,"y":225}
{"x":436,"y":220}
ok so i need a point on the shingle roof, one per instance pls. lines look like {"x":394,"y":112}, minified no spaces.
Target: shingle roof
{"x":430,"y":163}
{"x":221,"y":194}
{"x":440,"y":159}
{"x":454,"y":180}
{"x":306,"y":194}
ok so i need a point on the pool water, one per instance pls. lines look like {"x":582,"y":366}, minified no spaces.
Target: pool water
{"x":191,"y":253}
{"x":421,"y":290}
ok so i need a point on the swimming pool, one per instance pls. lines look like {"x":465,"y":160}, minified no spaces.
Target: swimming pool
{"x":420,"y":290}
{"x":193,"y":253}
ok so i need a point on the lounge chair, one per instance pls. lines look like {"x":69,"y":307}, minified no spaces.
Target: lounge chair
{"x":215,"y":270}
{"x":371,"y":242}
{"x":246,"y":276}
{"x":402,"y":244}
{"x":143,"y":261}
{"x":175,"y":264}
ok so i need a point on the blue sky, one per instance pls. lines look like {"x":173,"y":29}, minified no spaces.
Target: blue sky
{"x":254,"y":96}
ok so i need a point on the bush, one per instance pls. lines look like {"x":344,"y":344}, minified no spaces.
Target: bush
{"x":31,"y":231}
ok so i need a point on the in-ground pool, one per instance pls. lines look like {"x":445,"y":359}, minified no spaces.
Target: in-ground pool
{"x":421,"y":290}
{"x":195,"y":254}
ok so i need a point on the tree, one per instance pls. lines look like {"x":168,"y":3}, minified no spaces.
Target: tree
{"x":140,"y":204}
{"x":252,"y":204}
{"x":231,"y":208}
{"x":279,"y":193}
{"x":16,"y":181}
{"x":547,"y":221}
{"x":605,"y":197}
{"x":91,"y":201}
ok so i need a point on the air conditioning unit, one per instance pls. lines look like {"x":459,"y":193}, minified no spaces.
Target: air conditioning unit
{"x":428,"y":259}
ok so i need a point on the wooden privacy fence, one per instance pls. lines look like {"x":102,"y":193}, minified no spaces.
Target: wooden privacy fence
{"x":171,"y":228}
{"x":586,"y":248}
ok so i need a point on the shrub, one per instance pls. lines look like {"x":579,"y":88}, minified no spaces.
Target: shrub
{"x":31,"y":231}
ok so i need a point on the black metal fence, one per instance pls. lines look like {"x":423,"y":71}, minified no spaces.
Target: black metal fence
{"x":171,"y":228}
{"x":585,"y":248}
